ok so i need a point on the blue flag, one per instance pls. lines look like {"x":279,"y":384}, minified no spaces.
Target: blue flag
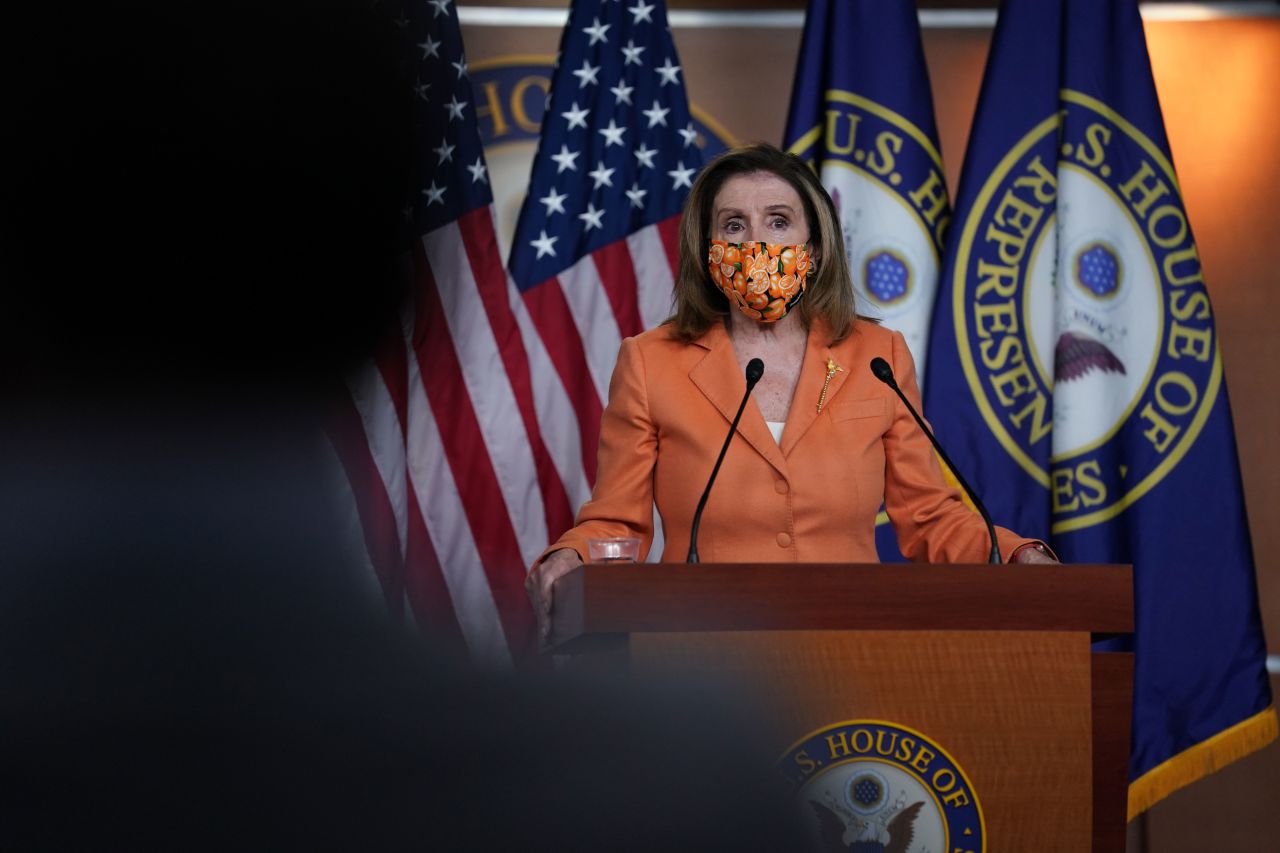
{"x":862,"y":115}
{"x":1076,"y":376}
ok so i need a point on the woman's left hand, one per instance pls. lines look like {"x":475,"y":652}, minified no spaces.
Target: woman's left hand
{"x":1033,"y":555}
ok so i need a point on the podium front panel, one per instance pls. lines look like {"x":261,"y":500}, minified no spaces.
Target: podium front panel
{"x":1011,"y":709}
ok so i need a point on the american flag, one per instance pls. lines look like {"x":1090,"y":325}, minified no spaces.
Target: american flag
{"x":470,"y":439}
{"x":594,"y":255}
{"x":441,"y":438}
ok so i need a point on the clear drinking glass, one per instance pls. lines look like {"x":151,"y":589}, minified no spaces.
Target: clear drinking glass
{"x":623,"y":549}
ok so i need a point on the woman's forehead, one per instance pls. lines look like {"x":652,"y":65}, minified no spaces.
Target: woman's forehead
{"x":756,"y":190}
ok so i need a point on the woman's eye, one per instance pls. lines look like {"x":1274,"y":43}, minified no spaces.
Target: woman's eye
{"x":779,"y":223}
{"x":733,"y":226}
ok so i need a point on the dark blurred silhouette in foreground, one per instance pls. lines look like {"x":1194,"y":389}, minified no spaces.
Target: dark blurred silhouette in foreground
{"x":198,"y":232}
{"x":183,"y":664}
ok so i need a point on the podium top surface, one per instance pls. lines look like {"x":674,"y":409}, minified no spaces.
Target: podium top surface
{"x":669,"y":597}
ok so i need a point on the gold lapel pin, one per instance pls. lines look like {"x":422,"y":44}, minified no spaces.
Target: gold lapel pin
{"x":832,"y":370}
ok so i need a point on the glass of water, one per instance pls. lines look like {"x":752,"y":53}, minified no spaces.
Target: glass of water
{"x":623,"y":549}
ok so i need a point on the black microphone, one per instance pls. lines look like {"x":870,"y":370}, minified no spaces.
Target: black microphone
{"x":755,"y":369}
{"x":884,"y":373}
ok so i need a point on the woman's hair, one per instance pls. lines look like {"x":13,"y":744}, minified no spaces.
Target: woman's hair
{"x":829,"y":294}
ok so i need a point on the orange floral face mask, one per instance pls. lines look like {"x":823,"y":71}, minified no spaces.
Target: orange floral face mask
{"x":765,"y":280}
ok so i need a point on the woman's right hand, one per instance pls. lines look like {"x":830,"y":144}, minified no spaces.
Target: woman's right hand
{"x":540,"y":581}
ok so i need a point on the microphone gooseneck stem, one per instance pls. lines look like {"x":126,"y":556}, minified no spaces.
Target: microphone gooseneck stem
{"x":755,"y":369}
{"x":884,"y":373}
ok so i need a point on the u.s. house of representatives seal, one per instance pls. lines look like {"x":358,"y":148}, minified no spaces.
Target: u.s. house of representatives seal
{"x":885,"y":178}
{"x":1081,"y":312}
{"x":869,"y":786}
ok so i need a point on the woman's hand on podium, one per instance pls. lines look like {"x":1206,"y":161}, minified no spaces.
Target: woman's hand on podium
{"x":1033,"y":554}
{"x":540,"y":581}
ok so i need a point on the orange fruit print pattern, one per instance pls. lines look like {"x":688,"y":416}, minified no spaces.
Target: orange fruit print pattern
{"x":763,"y":279}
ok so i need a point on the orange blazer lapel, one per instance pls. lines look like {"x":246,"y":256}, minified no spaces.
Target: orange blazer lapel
{"x":717,"y":376}
{"x":820,"y":361}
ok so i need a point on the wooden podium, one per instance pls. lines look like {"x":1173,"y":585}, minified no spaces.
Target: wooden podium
{"x":992,"y":662}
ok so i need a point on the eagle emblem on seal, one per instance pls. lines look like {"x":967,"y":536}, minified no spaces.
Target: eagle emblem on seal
{"x":870,"y":835}
{"x":1076,"y":354}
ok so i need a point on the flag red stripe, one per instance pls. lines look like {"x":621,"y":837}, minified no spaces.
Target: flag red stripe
{"x":618,"y":277}
{"x":551,"y":315}
{"x":669,"y":228}
{"x":481,"y":244}
{"x":425,"y":586}
{"x":391,"y":359}
{"x":373,"y":504}
{"x":477,"y":482}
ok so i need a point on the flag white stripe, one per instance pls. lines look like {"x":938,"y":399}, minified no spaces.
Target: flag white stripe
{"x":659,"y":541}
{"x":347,"y":515}
{"x":446,"y":523}
{"x":386,"y":442}
{"x":593,"y":315}
{"x":485,"y":376}
{"x":653,"y":275}
{"x":556,"y":416}
{"x":656,"y":289}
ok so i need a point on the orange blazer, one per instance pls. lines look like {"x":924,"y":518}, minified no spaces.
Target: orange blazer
{"x":814,"y":498}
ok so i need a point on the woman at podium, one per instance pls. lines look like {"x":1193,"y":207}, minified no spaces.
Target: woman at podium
{"x":763,"y":275}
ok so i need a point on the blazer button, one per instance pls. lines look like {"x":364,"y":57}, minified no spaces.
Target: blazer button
{"x":780,"y":486}
{"x":784,"y":540}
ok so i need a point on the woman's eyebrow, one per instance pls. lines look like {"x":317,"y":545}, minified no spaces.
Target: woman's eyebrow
{"x":733,"y":211}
